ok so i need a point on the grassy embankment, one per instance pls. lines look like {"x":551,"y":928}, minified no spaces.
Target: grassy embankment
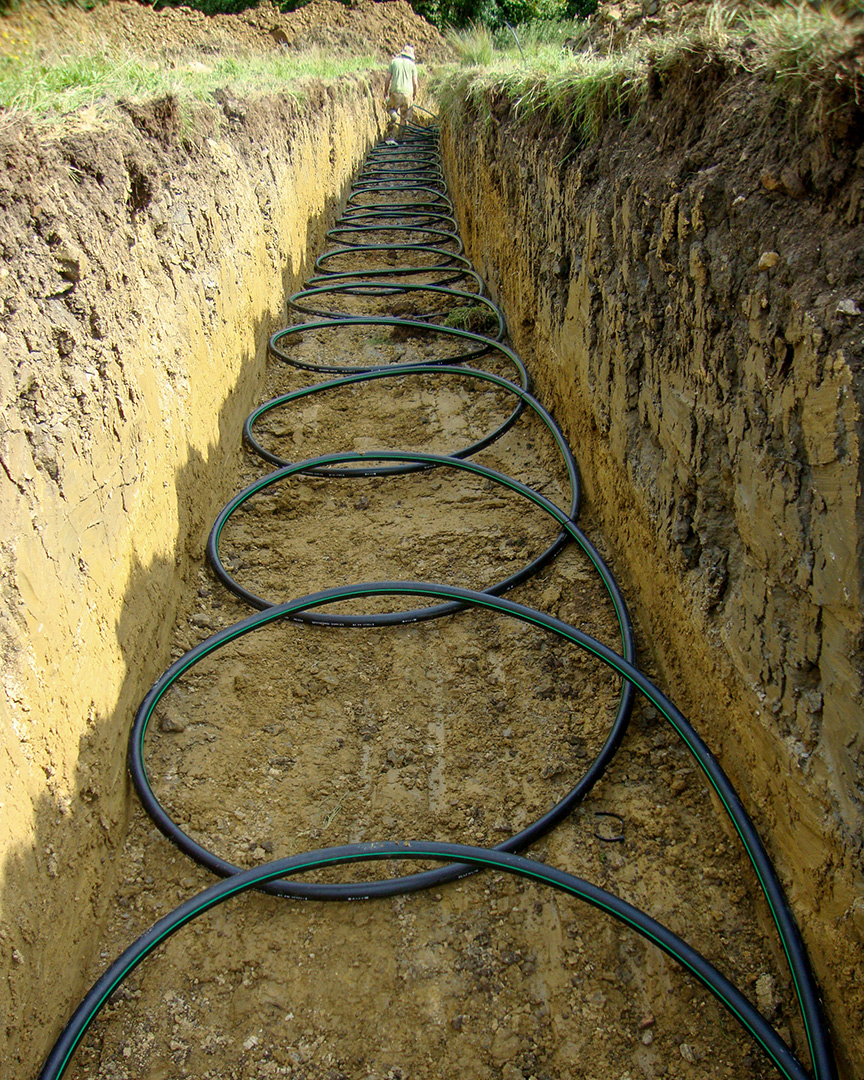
{"x":48,"y":86}
{"x":571,"y":73}
{"x":578,"y":78}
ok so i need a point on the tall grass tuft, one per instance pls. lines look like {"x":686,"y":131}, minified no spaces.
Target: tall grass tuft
{"x":812,"y":54}
{"x":474,"y":46}
{"x":807,"y":48}
{"x":536,"y":33}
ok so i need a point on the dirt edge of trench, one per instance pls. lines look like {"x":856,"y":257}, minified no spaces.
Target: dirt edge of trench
{"x":684,"y":291}
{"x":114,"y":422}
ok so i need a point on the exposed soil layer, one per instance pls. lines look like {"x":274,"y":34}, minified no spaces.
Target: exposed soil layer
{"x":143,"y":268}
{"x":687,"y":290}
{"x":364,"y":28}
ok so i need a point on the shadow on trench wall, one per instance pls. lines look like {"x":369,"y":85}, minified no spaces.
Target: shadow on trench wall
{"x":713,"y":389}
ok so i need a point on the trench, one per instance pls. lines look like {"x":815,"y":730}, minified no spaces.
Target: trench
{"x":247,"y":748}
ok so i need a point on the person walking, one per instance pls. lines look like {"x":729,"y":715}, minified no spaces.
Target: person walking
{"x":400,"y":90}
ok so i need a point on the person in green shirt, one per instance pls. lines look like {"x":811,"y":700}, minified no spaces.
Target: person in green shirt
{"x":399,"y":92}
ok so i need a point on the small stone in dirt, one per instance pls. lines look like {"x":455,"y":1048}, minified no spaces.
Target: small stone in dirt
{"x":848,"y":307}
{"x":504,"y":1046}
{"x":550,"y":596}
{"x":545,"y":689}
{"x":362,"y":503}
{"x":577,"y":747}
{"x":678,"y":785}
{"x":687,"y":1052}
{"x":202,"y":619}
{"x":768,"y":1000}
{"x":647,"y":1038}
{"x":171,"y":722}
{"x":69,"y":264}
{"x":768,"y":260}
{"x":647,"y":1021}
{"x":792,"y":183}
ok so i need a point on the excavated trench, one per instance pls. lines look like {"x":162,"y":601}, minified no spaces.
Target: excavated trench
{"x":293,"y":737}
{"x":373,"y":716}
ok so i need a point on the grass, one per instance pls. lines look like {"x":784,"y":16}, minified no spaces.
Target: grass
{"x":579,"y":91}
{"x":474,"y":46}
{"x":50,"y":88}
{"x":475,"y":317}
{"x":578,"y":80}
{"x":805,"y":49}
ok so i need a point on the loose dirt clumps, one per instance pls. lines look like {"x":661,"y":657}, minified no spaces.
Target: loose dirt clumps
{"x":365,"y":27}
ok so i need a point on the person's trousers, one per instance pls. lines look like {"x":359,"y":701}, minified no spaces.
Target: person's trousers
{"x":400,"y":108}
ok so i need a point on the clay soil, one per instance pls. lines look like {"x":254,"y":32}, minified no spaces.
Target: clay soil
{"x":465,"y":728}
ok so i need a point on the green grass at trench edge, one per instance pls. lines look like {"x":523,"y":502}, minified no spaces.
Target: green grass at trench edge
{"x":47,"y":89}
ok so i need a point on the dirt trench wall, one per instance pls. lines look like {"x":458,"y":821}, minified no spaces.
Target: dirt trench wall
{"x":143,"y":266}
{"x":688,"y":295}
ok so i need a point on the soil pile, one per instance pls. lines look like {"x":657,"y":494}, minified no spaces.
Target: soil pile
{"x":364,"y":28}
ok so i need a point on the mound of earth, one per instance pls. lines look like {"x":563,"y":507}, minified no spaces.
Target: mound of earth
{"x":366,"y":27}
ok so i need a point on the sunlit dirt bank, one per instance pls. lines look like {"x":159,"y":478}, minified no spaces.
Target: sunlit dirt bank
{"x":144,"y":266}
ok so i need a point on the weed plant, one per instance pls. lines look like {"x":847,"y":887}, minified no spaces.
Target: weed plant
{"x":474,"y":45}
{"x":474,"y":317}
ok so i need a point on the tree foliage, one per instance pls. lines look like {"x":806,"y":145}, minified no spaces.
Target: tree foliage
{"x":495,"y":13}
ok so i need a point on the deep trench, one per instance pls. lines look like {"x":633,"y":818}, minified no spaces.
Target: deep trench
{"x":408,"y":350}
